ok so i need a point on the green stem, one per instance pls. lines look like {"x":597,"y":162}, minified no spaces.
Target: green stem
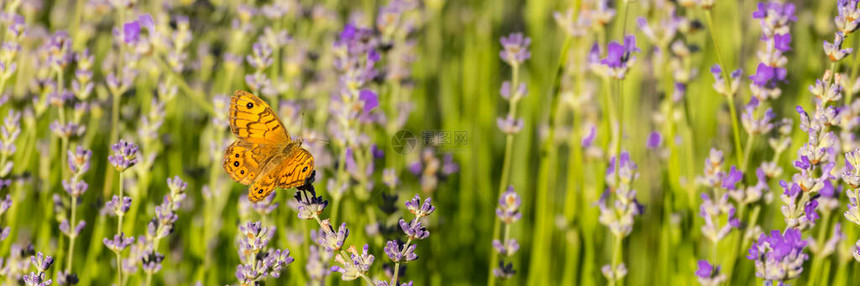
{"x":819,"y":259}
{"x":750,"y":140}
{"x":728,"y":81}
{"x":118,"y":269}
{"x":72,"y":235}
{"x":120,"y":214}
{"x":616,"y":260}
{"x":506,"y":166}
{"x":397,"y":264}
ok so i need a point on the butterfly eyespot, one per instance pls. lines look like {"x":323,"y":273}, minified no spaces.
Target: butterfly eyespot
{"x":236,"y":163}
{"x":250,"y":105}
{"x":305,"y":169}
{"x":242,"y":172}
{"x":237,"y":155}
{"x":260,"y":191}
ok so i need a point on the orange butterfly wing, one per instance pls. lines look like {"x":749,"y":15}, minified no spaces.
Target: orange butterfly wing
{"x":287,"y":172}
{"x":251,"y":119}
{"x":296,"y":169}
{"x":244,"y":160}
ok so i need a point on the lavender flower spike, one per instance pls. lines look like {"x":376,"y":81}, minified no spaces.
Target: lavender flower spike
{"x":516,"y":49}
{"x":124,"y":155}
{"x":779,"y":256}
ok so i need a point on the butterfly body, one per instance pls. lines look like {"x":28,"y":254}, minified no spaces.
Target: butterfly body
{"x":263,"y":154}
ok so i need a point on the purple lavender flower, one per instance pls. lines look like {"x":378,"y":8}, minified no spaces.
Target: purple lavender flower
{"x":504,"y":271}
{"x":259,"y":261}
{"x":809,"y":210}
{"x":516,"y":49}
{"x":41,"y":263}
{"x":506,"y":249}
{"x":619,"y":57}
{"x":75,"y":189}
{"x":733,"y":177}
{"x":750,"y":121}
{"x":165,"y":213}
{"x":509,"y":124}
{"x":356,"y":267}
{"x":588,"y":139}
{"x":68,"y":231}
{"x":147,"y":22}
{"x":131,"y":32}
{"x":779,"y":256}
{"x":151,"y":261}
{"x":119,"y":207}
{"x":834,"y":51}
{"x":330,"y":239}
{"x":618,"y":215}
{"x":767,"y":75}
{"x":119,"y":242}
{"x":370,"y":99}
{"x":310,"y":205}
{"x":654,"y":140}
{"x":397,"y":253}
{"x":708,"y":274}
{"x":316,"y":266}
{"x":782,"y":42}
{"x":414,"y":230}
{"x":420,"y":210}
{"x":79,"y":161}
{"x":506,"y":93}
{"x":124,"y":155}
{"x":720,"y":84}
{"x":705,"y":269}
{"x":849,"y":16}
{"x":508,"y":210}
{"x":67,"y":130}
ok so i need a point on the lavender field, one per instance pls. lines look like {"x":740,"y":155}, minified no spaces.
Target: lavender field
{"x":429,"y":142}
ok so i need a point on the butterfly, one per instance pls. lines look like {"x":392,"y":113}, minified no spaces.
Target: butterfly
{"x":263,"y":154}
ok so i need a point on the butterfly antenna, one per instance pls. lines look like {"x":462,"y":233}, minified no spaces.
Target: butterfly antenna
{"x":302,"y":119}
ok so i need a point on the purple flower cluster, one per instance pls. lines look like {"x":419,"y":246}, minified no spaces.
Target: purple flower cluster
{"x":259,"y":261}
{"x":119,"y":242}
{"x":516,"y":49}
{"x":754,"y":121}
{"x":715,"y":206}
{"x":165,"y":213}
{"x":124,"y":155}
{"x":753,"y":193}
{"x":8,"y":135}
{"x":848,"y":16}
{"x":118,"y":206}
{"x":515,"y":52}
{"x":618,"y":213}
{"x":430,"y":170}
{"x":41,"y":263}
{"x":779,"y":256}
{"x":404,"y":252}
{"x":619,"y":57}
{"x":356,"y":56}
{"x":79,"y":163}
{"x":723,"y":86}
{"x":775,"y":18}
{"x":815,"y":162}
{"x":709,"y":275}
{"x":851,"y":176}
{"x":356,"y":265}
{"x":508,"y":212}
{"x":310,"y":206}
